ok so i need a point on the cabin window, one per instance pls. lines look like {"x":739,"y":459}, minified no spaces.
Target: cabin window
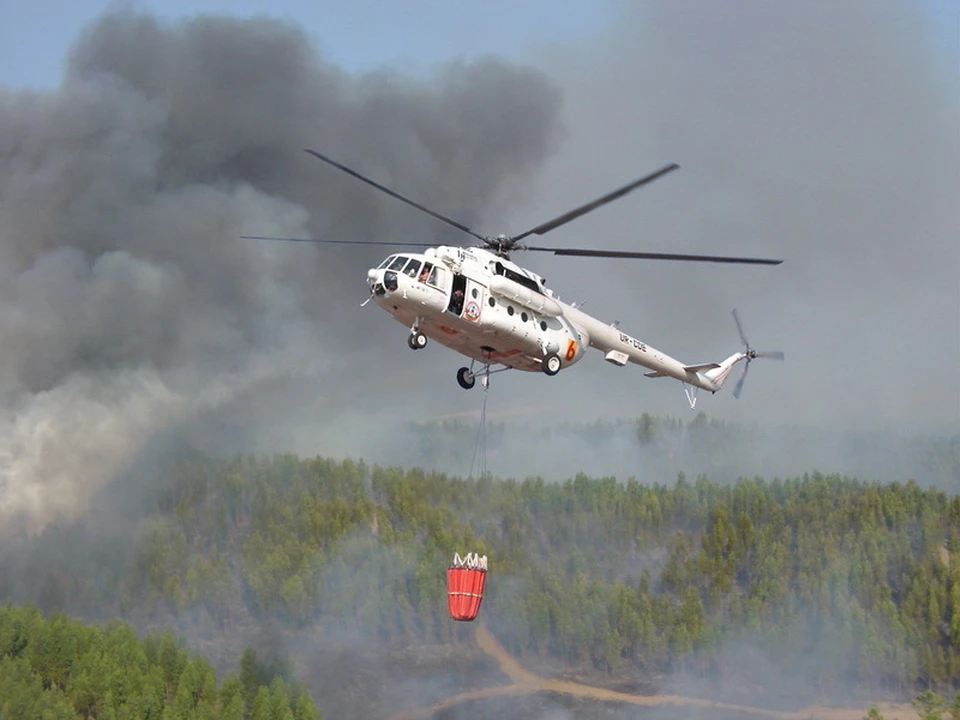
{"x":493,"y":303}
{"x":510,"y":310}
{"x":543,"y":326}
{"x":523,"y":316}
{"x":499,"y":269}
{"x":526,"y":282}
{"x":426,"y":272}
{"x":398,"y":262}
{"x":412,"y":268}
{"x":385,"y":262}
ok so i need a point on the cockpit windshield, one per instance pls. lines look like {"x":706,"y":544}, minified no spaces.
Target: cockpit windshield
{"x":398,"y":262}
{"x":424,"y":272}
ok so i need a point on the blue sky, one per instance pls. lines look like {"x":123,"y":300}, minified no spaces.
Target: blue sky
{"x":359,"y":35}
{"x":363,"y":35}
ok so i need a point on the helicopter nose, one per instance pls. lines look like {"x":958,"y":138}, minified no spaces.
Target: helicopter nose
{"x":372,"y":274}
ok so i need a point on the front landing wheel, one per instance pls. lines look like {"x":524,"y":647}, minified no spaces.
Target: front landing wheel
{"x":550,"y":364}
{"x":466,"y":378}
{"x":417,"y":341}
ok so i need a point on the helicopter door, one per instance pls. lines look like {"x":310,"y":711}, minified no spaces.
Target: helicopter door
{"x":457,"y":294}
{"x":474,"y":301}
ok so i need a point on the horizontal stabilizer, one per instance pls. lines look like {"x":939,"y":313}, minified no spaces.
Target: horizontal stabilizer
{"x":701,"y":366}
{"x":655,"y":374}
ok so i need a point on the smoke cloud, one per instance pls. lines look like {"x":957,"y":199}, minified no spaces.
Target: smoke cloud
{"x":130,"y":310}
{"x":824,"y":134}
{"x":129,"y":307}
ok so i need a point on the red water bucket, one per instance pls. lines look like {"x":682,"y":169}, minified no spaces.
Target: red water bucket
{"x":465,"y":581}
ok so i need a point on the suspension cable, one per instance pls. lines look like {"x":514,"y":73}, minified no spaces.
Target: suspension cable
{"x":479,"y":459}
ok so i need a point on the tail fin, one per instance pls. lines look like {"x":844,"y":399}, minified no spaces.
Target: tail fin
{"x":718,"y":375}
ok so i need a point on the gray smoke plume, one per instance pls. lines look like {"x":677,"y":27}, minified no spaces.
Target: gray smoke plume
{"x":130,"y":310}
{"x":129,"y":307}
{"x":821,"y":133}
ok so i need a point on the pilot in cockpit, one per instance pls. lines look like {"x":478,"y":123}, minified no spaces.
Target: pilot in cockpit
{"x":412,"y":267}
{"x":429,"y":274}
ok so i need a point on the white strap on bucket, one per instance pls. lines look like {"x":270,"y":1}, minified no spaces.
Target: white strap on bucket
{"x":473,"y":561}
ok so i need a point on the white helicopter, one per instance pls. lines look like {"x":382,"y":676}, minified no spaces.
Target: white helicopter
{"x":476,"y":301}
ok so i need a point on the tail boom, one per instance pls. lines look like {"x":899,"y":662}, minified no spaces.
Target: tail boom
{"x":619,"y":348}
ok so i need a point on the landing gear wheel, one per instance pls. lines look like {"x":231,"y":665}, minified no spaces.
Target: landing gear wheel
{"x":550,"y":364}
{"x":466,"y":378}
{"x":417,"y":341}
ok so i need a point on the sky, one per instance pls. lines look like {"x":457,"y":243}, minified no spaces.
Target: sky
{"x":360,"y":36}
{"x":365,"y":35}
{"x":141,"y":139}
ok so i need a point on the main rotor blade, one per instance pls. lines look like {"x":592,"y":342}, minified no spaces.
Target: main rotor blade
{"x":736,"y":317}
{"x":391,"y":193}
{"x":337,"y":242}
{"x":584,"y":209}
{"x":654,"y":256}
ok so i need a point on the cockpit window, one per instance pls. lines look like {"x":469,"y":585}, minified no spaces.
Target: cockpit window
{"x":412,"y":268}
{"x":398,"y":262}
{"x":425,"y":273}
{"x":385,"y":262}
{"x":439,"y":278}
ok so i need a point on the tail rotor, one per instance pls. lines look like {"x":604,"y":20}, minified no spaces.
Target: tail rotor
{"x":750,"y":354}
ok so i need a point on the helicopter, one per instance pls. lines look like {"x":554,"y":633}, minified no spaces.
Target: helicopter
{"x":478,"y":302}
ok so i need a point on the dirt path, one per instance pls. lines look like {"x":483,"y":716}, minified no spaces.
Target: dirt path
{"x":525,"y":682}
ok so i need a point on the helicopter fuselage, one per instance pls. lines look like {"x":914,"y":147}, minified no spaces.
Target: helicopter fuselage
{"x":497,"y":313}
{"x":478,"y":304}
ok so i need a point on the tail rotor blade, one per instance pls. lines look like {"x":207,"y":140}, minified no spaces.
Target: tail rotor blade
{"x":749,"y":354}
{"x":771,"y":354}
{"x":736,"y":317}
{"x":739,"y":387}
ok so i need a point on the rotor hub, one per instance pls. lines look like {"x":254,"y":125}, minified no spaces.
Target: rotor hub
{"x":500,"y":245}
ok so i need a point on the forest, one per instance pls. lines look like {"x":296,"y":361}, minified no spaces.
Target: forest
{"x":851,"y":587}
{"x":59,"y":669}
